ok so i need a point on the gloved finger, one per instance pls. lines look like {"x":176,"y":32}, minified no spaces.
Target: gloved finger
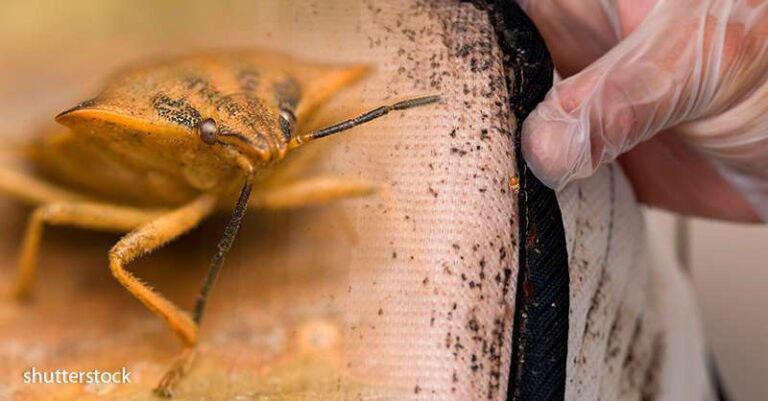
{"x":678,"y":65}
{"x":592,"y":117}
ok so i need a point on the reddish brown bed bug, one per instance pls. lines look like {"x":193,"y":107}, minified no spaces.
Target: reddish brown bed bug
{"x":165,"y":145}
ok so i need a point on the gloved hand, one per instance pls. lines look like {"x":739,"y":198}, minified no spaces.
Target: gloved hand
{"x":681,"y":85}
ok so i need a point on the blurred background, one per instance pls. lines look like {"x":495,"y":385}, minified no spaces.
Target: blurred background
{"x":44,"y":46}
{"x":728,"y":264}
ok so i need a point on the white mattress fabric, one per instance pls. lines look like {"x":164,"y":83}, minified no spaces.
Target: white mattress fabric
{"x":432,"y":282}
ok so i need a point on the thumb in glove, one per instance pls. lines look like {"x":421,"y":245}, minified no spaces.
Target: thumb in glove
{"x":698,"y":66}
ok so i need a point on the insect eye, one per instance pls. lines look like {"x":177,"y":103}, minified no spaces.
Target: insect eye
{"x":208,"y":131}
{"x":287,"y":121}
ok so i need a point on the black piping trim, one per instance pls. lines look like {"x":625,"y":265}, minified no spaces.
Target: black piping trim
{"x":540,"y":332}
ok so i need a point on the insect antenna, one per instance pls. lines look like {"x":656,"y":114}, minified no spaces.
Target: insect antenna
{"x":230,"y":232}
{"x":362,"y":119}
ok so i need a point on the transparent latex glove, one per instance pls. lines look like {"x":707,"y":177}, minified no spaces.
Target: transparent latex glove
{"x":676,"y":89}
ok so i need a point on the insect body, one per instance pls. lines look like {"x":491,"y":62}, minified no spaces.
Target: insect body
{"x":166,"y":145}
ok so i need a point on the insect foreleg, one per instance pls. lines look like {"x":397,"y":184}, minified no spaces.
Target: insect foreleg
{"x":145,"y":239}
{"x":149,"y":237}
{"x":79,"y":214}
{"x":33,"y":190}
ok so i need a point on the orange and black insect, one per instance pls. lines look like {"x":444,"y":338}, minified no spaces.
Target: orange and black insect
{"x":165,"y":145}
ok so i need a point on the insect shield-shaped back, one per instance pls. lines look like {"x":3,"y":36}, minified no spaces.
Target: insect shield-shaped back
{"x":255,"y":101}
{"x":169,"y":124}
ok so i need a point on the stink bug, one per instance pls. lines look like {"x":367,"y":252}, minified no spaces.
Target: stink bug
{"x":165,"y":145}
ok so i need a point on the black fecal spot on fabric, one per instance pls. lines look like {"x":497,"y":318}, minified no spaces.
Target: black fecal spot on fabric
{"x":178,"y":111}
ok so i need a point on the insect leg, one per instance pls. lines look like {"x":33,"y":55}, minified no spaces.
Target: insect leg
{"x":184,"y":360}
{"x":362,"y":119}
{"x":149,"y":237}
{"x":33,"y":190}
{"x":311,"y":191}
{"x":79,"y":214}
